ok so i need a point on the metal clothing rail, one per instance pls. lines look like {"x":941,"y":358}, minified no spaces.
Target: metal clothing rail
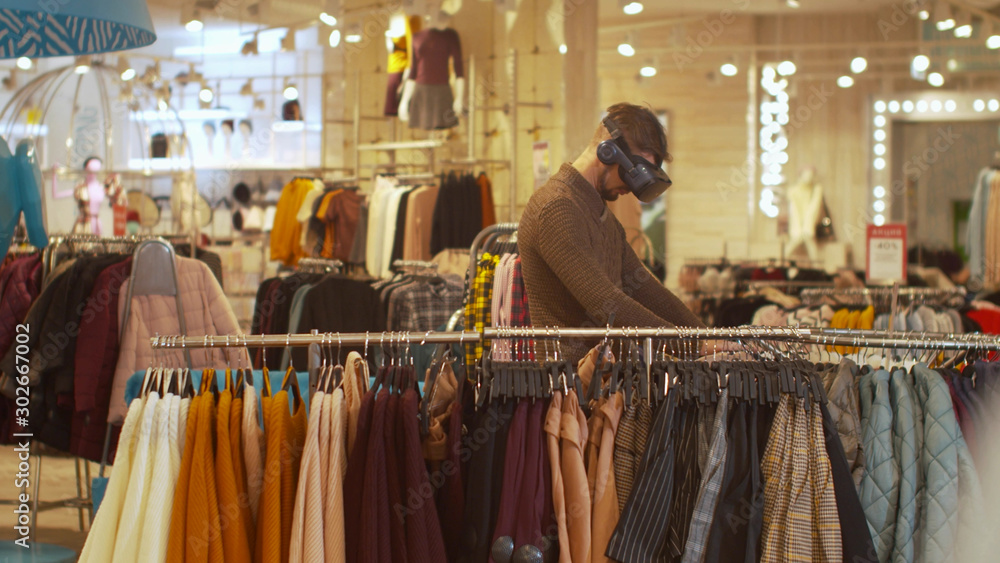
{"x":883,"y":292}
{"x":418,"y":264}
{"x":833,"y":337}
{"x":480,"y":242}
{"x":322,"y":265}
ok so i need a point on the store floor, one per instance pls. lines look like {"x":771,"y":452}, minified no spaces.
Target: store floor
{"x":59,"y":526}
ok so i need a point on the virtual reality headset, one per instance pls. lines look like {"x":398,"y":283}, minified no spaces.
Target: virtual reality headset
{"x":646,"y":180}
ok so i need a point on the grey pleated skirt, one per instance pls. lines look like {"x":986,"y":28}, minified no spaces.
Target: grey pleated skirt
{"x":431,"y":107}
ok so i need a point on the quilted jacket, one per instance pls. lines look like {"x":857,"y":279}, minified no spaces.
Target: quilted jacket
{"x":880,"y":483}
{"x":938,"y":520}
{"x":901,"y":397}
{"x":843,"y":403}
{"x":206,"y":312}
{"x":22,"y":282}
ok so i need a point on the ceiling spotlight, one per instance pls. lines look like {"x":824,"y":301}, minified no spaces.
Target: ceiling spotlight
{"x":250,"y":47}
{"x":923,"y":14}
{"x":353,"y":37}
{"x":935,"y":79}
{"x":206,"y":94}
{"x":648,"y":71}
{"x":82,"y":64}
{"x":993,"y":42}
{"x":963,"y":25}
{"x":858,"y":65}
{"x":943,"y":19}
{"x":786,"y":68}
{"x":792,"y":3}
{"x":191,"y":18}
{"x":328,"y":19}
{"x":335,"y":38}
{"x":562,"y":49}
{"x":921,"y":63}
{"x":845,"y":81}
{"x":288,"y":41}
{"x":626,"y":49}
{"x":247,"y":88}
{"x":24,"y":63}
{"x":125,"y":69}
{"x":290,"y":92}
{"x":632,"y":8}
{"x":979,"y":105}
{"x":728,"y":69}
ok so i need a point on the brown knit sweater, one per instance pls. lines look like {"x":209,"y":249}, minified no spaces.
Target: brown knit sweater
{"x":579,"y":268}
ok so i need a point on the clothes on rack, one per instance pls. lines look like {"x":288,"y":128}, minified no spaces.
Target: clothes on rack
{"x":982,"y":234}
{"x":461,"y":211}
{"x":20,"y":193}
{"x":286,"y":232}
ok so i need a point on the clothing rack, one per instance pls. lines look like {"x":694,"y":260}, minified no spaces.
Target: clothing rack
{"x":752,"y":285}
{"x":823,"y":336}
{"x":320,"y":265}
{"x":55,"y":241}
{"x":414,"y":265}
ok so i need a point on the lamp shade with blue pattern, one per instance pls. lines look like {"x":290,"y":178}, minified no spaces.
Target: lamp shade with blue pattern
{"x":53,"y":28}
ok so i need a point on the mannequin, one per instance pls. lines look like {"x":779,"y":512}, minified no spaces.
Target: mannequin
{"x":89,"y":197}
{"x":398,"y":43}
{"x":209,"y":128}
{"x":427,"y":101}
{"x":805,"y":200}
{"x":227,"y":136}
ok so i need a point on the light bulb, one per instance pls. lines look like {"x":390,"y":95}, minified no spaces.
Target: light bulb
{"x":353,"y":38}
{"x":562,"y":49}
{"x":845,"y":81}
{"x":880,"y":135}
{"x":291,"y":92}
{"x":879,"y":149}
{"x":879,"y":192}
{"x":922,"y":106}
{"x":921,"y":63}
{"x":950,"y":106}
{"x":993,"y":42}
{"x":206,"y":95}
{"x":964,"y":30}
{"x":879,"y":220}
{"x":728,"y":69}
{"x":879,"y":121}
{"x":879,"y":206}
{"x":858,"y":65}
{"x":946,"y":24}
{"x":993,"y":105}
{"x":979,"y":105}
{"x":879,"y":163}
{"x":328,"y":19}
{"x":24,"y":63}
{"x":626,"y":50}
{"x":194,"y":26}
{"x":633,"y":8}
{"x":786,"y":68}
{"x":335,"y":38}
{"x":82,"y":68}
{"x":907,"y":106}
{"x":935,"y":79}
{"x":936,"y":105}
{"x":880,"y":106}
{"x":128,"y":74}
{"x":924,"y":15}
{"x":893,"y":106}
{"x":648,"y":71}
{"x":162,"y":104}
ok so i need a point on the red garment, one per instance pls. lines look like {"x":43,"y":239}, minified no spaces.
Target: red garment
{"x":394,"y":481}
{"x":342,"y":213}
{"x":375,"y":543}
{"x":990,"y":323}
{"x":95,"y":360}
{"x":431,"y":50}
{"x":486,"y":197}
{"x":514,"y":477}
{"x":355,"y":478}
{"x":451,"y":498}
{"x":21,"y":281}
{"x":423,"y":529}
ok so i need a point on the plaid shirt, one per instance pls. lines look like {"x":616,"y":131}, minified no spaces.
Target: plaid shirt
{"x":478,"y":304}
{"x":423,"y":306}
{"x":803,"y":526}
{"x":711,"y":486}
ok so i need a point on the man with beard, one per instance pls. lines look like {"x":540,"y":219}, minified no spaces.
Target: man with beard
{"x":577,"y":264}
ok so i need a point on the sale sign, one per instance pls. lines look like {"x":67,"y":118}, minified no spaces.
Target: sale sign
{"x":886,"y":262}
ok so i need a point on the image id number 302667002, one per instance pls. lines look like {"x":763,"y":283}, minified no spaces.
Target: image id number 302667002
{"x":22,"y":510}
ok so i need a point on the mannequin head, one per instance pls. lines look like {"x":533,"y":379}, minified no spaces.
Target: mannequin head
{"x":645,"y":137}
{"x":209,"y":128}
{"x":92,"y":164}
{"x":227,"y":127}
{"x":245,"y":128}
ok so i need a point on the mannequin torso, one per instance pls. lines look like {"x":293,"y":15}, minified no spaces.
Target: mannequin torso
{"x":805,"y":204}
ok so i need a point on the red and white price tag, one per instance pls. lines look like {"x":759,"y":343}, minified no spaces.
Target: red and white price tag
{"x":886,"y":262}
